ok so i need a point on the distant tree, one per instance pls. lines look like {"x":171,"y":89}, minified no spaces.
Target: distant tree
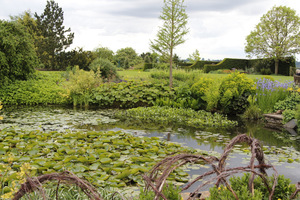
{"x":276,"y":36}
{"x":194,"y":57}
{"x":127,"y":57}
{"x":172,"y":32}
{"x":55,"y":40}
{"x":176,"y":60}
{"x":105,"y":53}
{"x":17,"y":55}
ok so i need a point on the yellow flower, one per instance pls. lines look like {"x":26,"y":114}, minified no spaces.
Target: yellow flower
{"x":219,"y":188}
{"x":290,"y":89}
{"x":1,"y":118}
{"x":298,"y":90}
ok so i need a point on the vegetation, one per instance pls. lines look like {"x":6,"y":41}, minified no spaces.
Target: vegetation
{"x":53,"y":35}
{"x":166,"y":116}
{"x":172,"y":32}
{"x":17,"y":54}
{"x":107,"y":69}
{"x":265,"y":41}
{"x":283,"y":189}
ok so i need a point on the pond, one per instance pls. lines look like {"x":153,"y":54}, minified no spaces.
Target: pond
{"x":281,"y":149}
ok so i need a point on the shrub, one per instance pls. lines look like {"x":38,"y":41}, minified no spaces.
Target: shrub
{"x":128,"y":94}
{"x":288,"y":115}
{"x":289,"y":103}
{"x":234,"y":92}
{"x":17,"y":55}
{"x":80,"y":85}
{"x":227,"y":63}
{"x":176,"y":116}
{"x":108,"y":70}
{"x":43,"y":89}
{"x":199,"y":89}
{"x":283,"y":189}
{"x":297,"y":116}
{"x":253,"y":112}
{"x":170,"y":191}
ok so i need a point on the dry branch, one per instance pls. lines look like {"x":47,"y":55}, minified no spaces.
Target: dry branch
{"x":160,"y":172}
{"x":33,"y":184}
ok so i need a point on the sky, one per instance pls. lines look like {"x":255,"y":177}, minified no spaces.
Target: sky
{"x":217,"y":28}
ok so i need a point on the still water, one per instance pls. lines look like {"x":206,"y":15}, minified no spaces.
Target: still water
{"x":281,"y":149}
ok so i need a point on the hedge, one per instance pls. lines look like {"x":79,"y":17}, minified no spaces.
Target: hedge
{"x":257,"y":64}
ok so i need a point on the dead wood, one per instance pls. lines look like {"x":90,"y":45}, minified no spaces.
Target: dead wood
{"x":35,"y":183}
{"x":160,"y":172}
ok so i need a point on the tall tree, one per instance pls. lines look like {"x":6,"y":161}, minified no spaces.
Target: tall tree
{"x":172,"y":32}
{"x":56,"y":38}
{"x":276,"y":36}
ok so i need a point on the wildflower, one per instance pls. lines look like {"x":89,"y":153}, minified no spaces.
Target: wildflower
{"x":219,"y":188}
{"x":290,"y":89}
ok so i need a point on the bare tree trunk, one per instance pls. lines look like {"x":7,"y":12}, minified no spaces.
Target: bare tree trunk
{"x":171,"y":73}
{"x":276,"y":66}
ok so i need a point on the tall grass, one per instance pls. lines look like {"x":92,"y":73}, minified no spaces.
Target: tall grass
{"x":269,"y":92}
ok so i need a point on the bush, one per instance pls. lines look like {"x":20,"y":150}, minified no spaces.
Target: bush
{"x":171,"y":192}
{"x":44,"y":89}
{"x":17,"y":55}
{"x":227,"y":63}
{"x":253,"y":112}
{"x":80,"y":85}
{"x":234,"y":92}
{"x":128,"y":94}
{"x":199,"y":89}
{"x":283,"y":189}
{"x":289,"y":103}
{"x":108,"y":70}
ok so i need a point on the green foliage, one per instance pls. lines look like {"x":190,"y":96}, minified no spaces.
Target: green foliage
{"x":253,"y":112}
{"x":288,"y":115}
{"x":289,"y":103}
{"x":283,"y":189}
{"x":265,"y":42}
{"x":17,"y":54}
{"x":297,"y":116}
{"x":105,"y":53}
{"x":44,"y":89}
{"x":53,"y":33}
{"x":127,"y":57}
{"x":170,"y":191}
{"x":227,"y":63}
{"x":176,"y":117}
{"x":128,"y":94}
{"x":80,"y":85}
{"x":172,"y":32}
{"x":108,"y":69}
{"x":105,"y":159}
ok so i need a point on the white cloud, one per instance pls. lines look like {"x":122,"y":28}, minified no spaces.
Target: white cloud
{"x":218,"y":28}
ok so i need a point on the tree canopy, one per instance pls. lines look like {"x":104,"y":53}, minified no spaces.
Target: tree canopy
{"x":172,"y":32}
{"x":276,"y":36}
{"x":55,"y":37}
{"x":17,"y":55}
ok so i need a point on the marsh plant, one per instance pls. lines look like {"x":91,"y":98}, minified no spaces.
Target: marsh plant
{"x":80,"y":85}
{"x":269,"y":92}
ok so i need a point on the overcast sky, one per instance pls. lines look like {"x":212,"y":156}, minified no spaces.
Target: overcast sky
{"x":218,"y":28}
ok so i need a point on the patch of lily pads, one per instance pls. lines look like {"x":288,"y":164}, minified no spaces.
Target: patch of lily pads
{"x":114,"y":159}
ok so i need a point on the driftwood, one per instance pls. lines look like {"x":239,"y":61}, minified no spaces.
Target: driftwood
{"x":156,"y":178}
{"x":35,"y":184}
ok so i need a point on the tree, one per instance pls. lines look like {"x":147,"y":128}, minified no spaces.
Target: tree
{"x":195,"y":57}
{"x":276,"y":36}
{"x":172,"y":32}
{"x":17,"y":55}
{"x":127,"y":57}
{"x":105,"y":53}
{"x":50,"y":24}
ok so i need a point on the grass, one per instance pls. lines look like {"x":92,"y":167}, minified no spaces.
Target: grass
{"x":141,"y":75}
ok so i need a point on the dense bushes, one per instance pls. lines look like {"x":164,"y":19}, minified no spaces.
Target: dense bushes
{"x":283,"y":189}
{"x":17,"y":55}
{"x":128,"y":94}
{"x":108,"y":69}
{"x":44,"y":89}
{"x":264,"y":66}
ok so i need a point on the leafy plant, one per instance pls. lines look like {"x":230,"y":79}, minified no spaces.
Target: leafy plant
{"x":269,"y":92}
{"x":176,"y":116}
{"x":80,"y":85}
{"x":128,"y":94}
{"x":108,"y":69}
{"x":289,"y":103}
{"x":288,"y":115}
{"x":170,"y":191}
{"x":253,"y":111}
{"x":283,"y":189}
